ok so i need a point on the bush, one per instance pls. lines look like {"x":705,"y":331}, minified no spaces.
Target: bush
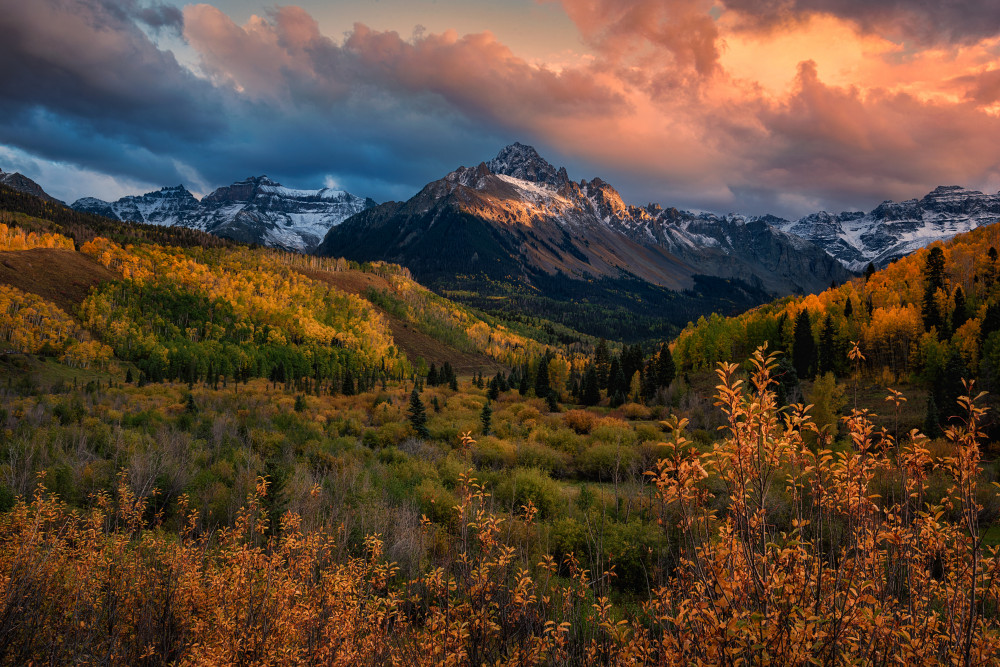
{"x":581,"y":421}
{"x":524,"y":484}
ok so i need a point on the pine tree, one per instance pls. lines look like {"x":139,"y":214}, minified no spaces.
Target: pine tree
{"x":848,"y":308}
{"x":486,"y":417}
{"x":827,"y":347}
{"x":493,"y":389}
{"x":869,"y":271}
{"x":432,"y":376}
{"x":591,"y":391}
{"x":803,"y":346}
{"x":666,"y":370}
{"x":960,"y":315}
{"x":300,"y":403}
{"x":189,"y":405}
{"x":933,"y":274}
{"x":418,"y":415}
{"x":128,"y":376}
{"x":602,"y":363}
{"x":542,"y":377}
{"x":348,"y":388}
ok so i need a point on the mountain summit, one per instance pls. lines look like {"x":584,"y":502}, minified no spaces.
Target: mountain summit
{"x":20,"y":182}
{"x":518,"y":225}
{"x":254,"y":210}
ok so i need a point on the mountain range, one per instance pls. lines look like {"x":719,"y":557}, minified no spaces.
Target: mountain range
{"x":893,"y":230}
{"x":517,"y":216}
{"x":254,"y":210}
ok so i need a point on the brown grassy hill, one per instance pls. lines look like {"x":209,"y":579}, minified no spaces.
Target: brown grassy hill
{"x":63,"y":277}
{"x":413,"y":343}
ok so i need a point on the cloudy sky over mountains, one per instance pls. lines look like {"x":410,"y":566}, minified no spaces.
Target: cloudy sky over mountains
{"x":754,"y":105}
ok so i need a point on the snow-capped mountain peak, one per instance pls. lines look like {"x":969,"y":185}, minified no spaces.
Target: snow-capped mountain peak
{"x":253,"y":210}
{"x":892,"y":230}
{"x":524,"y":162}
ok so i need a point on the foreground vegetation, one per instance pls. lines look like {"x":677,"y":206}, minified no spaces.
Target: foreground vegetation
{"x":772,"y":550}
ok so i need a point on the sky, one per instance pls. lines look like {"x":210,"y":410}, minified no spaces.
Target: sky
{"x":755,"y":106}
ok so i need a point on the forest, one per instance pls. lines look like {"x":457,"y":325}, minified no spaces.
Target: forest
{"x":221,"y":454}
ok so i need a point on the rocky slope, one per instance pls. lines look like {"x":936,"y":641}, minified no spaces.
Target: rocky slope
{"x":892,"y":229}
{"x":20,"y":182}
{"x":254,"y":210}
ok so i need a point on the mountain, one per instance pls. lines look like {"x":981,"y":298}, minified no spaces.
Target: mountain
{"x":517,"y":226}
{"x":893,"y":230}
{"x":22,"y":183}
{"x":254,"y":210}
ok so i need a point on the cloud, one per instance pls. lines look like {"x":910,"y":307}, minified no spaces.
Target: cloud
{"x":924,"y":21}
{"x":687,"y":102}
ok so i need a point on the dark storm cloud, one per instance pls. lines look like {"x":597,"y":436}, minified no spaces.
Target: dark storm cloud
{"x":924,"y":21}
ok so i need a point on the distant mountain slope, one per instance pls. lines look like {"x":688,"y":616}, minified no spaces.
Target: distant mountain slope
{"x":254,"y":210}
{"x":516,"y":226}
{"x":22,"y":183}
{"x":893,"y":230}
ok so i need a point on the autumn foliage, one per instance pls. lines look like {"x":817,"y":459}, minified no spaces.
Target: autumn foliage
{"x":787,"y":553}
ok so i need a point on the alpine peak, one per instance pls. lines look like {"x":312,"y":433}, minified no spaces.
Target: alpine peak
{"x":521,"y":161}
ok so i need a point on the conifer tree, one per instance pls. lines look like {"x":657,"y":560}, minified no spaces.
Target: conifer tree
{"x":418,"y":415}
{"x":666,"y":370}
{"x":803,"y":346}
{"x":542,"y":377}
{"x":486,"y":417}
{"x":591,"y":391}
{"x":432,"y":376}
{"x":827,"y":352}
{"x":933,"y":274}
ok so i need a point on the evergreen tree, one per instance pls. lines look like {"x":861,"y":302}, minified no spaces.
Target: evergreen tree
{"x":128,"y":376}
{"x":602,"y":363}
{"x":803,"y":346}
{"x":418,"y":415}
{"x":189,"y":405}
{"x":960,"y":315}
{"x":869,"y":271}
{"x":432,"y":376}
{"x":786,"y":380}
{"x":933,"y":274}
{"x":486,"y":417}
{"x":493,"y":390}
{"x":348,"y":387}
{"x":827,"y":348}
{"x":522,"y":387}
{"x":617,"y":382}
{"x":300,"y":403}
{"x":552,"y":401}
{"x":848,"y":308}
{"x":666,"y":370}
{"x":436,"y":404}
{"x":453,"y":382}
{"x":591,"y":392}
{"x":542,"y":377}
{"x":950,"y":386}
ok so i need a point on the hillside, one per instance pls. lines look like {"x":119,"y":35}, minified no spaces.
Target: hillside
{"x":184,"y":311}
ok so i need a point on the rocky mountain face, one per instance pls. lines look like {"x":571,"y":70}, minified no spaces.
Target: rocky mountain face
{"x":892,"y":229}
{"x":254,"y":210}
{"x":20,"y":182}
{"x":537,"y":220}
{"x":516,"y":236}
